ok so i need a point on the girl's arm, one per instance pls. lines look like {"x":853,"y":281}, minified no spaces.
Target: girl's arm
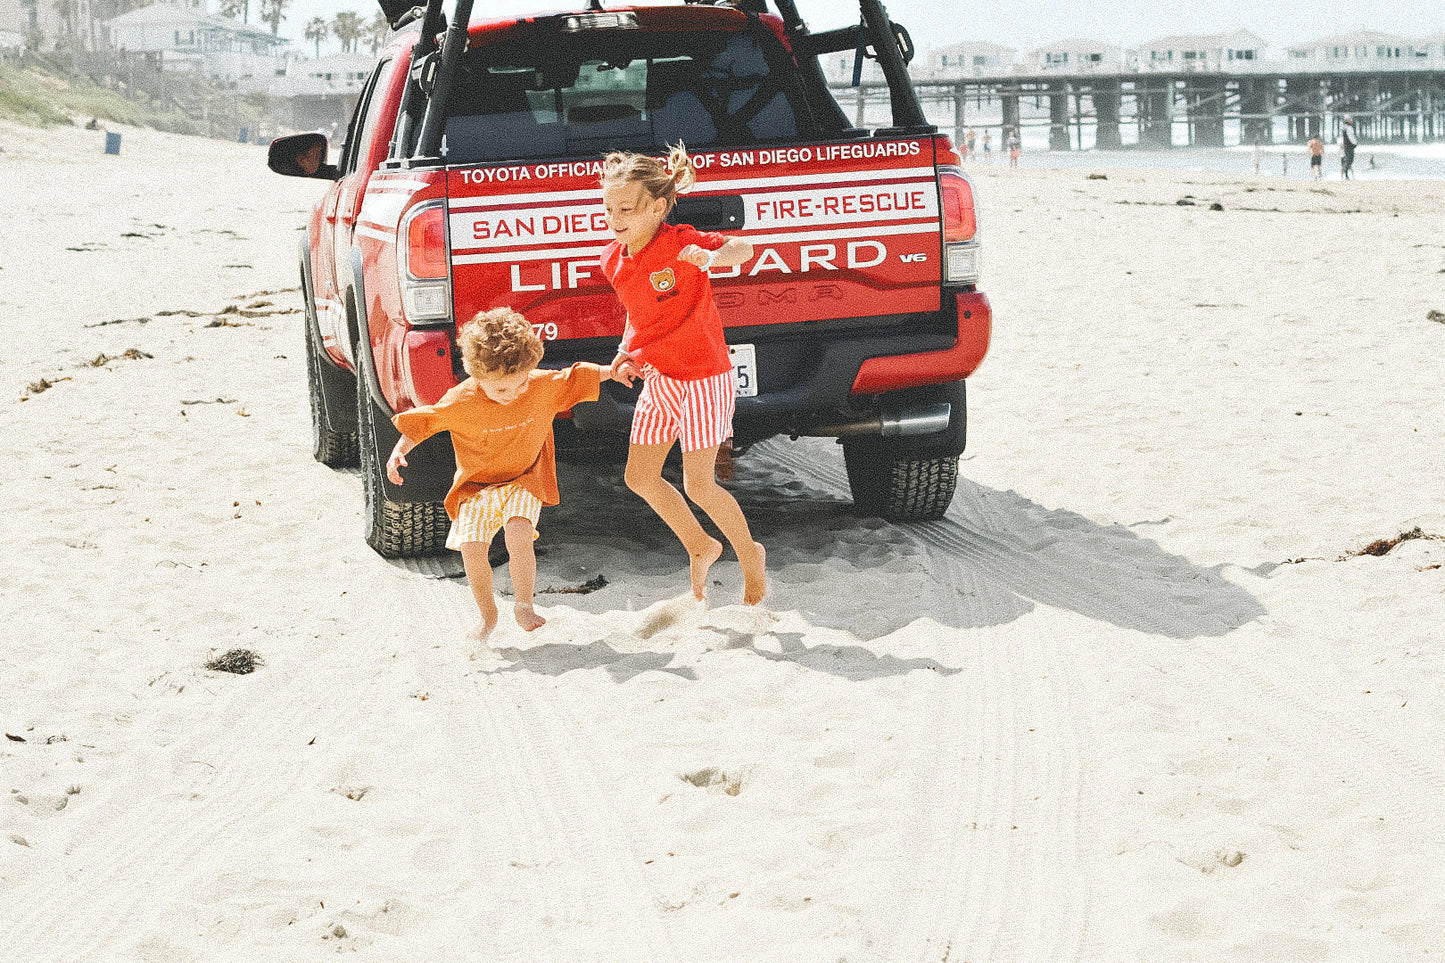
{"x":623,"y":368}
{"x":735,"y":251}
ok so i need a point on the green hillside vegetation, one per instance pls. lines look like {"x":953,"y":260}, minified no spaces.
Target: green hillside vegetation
{"x":44,"y":92}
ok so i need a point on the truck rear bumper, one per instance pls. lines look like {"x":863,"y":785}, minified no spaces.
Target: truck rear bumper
{"x":975,"y":327}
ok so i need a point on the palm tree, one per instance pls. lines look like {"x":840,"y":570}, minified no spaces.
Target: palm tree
{"x":346,"y":26}
{"x":317,"y":30}
{"x":377,"y":30}
{"x":235,"y":9}
{"x":273,"y":12}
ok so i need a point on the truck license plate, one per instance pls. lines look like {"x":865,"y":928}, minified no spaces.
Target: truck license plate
{"x":745,"y":369}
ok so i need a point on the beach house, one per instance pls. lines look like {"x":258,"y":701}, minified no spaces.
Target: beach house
{"x":1367,"y":50}
{"x":1078,"y":56}
{"x":182,"y":35}
{"x":1235,"y":51}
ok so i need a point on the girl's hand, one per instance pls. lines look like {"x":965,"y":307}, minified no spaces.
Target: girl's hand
{"x":698,"y":257}
{"x":623,"y":369}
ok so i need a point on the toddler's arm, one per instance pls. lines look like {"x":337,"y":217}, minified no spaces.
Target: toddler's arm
{"x":397,"y":461}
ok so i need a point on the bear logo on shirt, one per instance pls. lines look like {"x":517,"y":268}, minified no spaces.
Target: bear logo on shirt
{"x":663,"y":281}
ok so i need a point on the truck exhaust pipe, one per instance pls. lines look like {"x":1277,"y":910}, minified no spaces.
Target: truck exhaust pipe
{"x":923,"y":420}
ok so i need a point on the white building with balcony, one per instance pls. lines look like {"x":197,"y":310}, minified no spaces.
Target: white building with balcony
{"x":1079,"y":56}
{"x":182,"y":36}
{"x":1367,"y":50}
{"x":1234,"y":51}
{"x":976,"y":59}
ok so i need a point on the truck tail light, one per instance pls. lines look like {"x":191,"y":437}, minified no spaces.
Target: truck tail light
{"x":959,"y":223}
{"x":960,"y":227}
{"x":425,"y":275}
{"x":426,"y":244}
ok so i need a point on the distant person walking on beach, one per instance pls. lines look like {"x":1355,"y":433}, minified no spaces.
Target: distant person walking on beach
{"x":969,"y":142}
{"x":1317,"y":157}
{"x":988,"y":145}
{"x":1014,"y":148}
{"x":1348,"y":142}
{"x":500,"y":420}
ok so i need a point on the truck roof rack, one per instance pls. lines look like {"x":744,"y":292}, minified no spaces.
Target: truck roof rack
{"x":435,"y":56}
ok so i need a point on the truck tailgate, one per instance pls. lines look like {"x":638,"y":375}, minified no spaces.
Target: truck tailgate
{"x":840,"y":230}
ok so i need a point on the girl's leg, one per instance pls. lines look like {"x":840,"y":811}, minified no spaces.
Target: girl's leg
{"x":699,"y":478}
{"x":518,"y":534}
{"x":644,"y":476}
{"x":479,"y":577}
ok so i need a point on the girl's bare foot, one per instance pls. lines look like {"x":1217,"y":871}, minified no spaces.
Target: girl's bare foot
{"x":527,"y":617}
{"x":755,"y":575}
{"x":483,"y":630}
{"x":700,"y":563}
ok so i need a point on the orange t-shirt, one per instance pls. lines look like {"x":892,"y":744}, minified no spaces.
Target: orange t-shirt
{"x":503,"y":444}
{"x":675,"y":325}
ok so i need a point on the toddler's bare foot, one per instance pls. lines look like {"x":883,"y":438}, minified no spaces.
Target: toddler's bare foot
{"x":755,"y":575}
{"x":700,"y":563}
{"x":527,"y":617}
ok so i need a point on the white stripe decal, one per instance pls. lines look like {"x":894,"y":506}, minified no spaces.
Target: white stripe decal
{"x":386,"y":237}
{"x":921,"y":175}
{"x":383,"y":208}
{"x":534,"y":255}
{"x":503,"y":257}
{"x":928,"y":227}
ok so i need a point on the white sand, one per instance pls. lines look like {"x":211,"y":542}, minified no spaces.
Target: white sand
{"x":1134,"y":700}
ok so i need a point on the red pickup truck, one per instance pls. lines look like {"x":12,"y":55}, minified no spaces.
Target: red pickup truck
{"x":469,"y":180}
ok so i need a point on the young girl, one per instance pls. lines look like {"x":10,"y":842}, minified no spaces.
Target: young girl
{"x":674,"y":338}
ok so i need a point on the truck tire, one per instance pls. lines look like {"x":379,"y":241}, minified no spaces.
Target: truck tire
{"x":333,"y":448}
{"x":393,"y":529}
{"x":901,"y":486}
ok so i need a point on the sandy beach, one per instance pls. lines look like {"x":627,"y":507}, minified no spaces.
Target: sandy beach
{"x":1144,"y":695}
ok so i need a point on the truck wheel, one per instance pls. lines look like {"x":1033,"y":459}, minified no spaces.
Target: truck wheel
{"x":394,"y":529}
{"x":335,"y":449}
{"x":901,"y":486}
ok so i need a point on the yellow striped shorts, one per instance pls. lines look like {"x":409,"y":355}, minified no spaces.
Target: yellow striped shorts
{"x":480,"y":517}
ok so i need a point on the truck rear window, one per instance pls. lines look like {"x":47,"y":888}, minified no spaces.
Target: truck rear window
{"x":624,"y":91}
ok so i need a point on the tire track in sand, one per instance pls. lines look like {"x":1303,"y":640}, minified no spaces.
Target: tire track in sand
{"x":549,"y":835}
{"x":999,"y":870}
{"x":1107,"y":574}
{"x":99,"y":910}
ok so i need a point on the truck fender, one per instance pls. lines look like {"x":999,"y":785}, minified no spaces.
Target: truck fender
{"x":338,"y":386}
{"x":358,"y":332}
{"x":431,"y":464}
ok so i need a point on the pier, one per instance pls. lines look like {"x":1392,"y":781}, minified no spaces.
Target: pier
{"x":1196,"y":109}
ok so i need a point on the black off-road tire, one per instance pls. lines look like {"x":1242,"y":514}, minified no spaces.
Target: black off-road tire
{"x":393,"y":529}
{"x":900,"y":486}
{"x":335,"y":449}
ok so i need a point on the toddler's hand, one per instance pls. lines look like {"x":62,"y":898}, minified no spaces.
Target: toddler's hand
{"x":394,"y":464}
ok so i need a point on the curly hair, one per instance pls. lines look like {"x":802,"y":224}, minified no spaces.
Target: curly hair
{"x":665,"y":179}
{"x":499,"y":342}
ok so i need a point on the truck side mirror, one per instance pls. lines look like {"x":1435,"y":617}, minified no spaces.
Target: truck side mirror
{"x":301,"y":155}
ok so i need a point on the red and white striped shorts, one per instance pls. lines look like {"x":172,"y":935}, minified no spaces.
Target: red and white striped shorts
{"x":698,"y":413}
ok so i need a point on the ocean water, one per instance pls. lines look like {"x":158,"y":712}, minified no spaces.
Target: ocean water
{"x":1372,"y":161}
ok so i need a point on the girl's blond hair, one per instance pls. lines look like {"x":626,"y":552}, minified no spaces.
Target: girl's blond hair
{"x":664,"y":179}
{"x":499,"y":342}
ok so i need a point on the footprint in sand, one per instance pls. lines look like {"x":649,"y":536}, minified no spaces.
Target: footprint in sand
{"x":667,"y":614}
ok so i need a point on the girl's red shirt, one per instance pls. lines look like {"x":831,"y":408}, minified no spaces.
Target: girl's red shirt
{"x":675,"y":325}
